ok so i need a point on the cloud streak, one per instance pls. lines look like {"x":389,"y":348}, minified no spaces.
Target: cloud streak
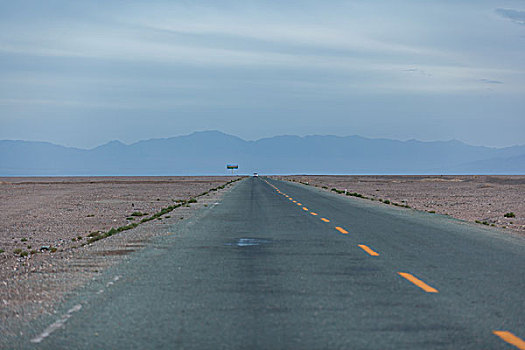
{"x":514,"y":15}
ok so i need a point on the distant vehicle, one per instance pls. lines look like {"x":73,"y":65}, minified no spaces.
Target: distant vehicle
{"x":255,"y":175}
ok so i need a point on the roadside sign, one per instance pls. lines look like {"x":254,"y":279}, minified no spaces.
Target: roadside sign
{"x":232,"y":167}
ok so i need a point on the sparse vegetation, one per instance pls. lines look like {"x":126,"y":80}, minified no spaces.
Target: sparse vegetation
{"x":1,"y":251}
{"x":90,"y":215}
{"x":17,"y":251}
{"x":130,"y":218}
{"x":509,"y":215}
{"x":24,"y":253}
{"x":23,"y":240}
{"x":98,"y":235}
{"x":53,"y":249}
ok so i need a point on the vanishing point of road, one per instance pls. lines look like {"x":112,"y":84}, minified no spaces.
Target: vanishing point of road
{"x":279,"y":265}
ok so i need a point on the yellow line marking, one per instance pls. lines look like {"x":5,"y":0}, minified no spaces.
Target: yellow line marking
{"x":368,"y":250}
{"x":305,"y":208}
{"x":299,"y":204}
{"x":511,"y":339}
{"x":294,"y":201}
{"x":342,"y":230}
{"x":418,"y":282}
{"x":290,"y":198}
{"x":313,"y":213}
{"x":325,"y":220}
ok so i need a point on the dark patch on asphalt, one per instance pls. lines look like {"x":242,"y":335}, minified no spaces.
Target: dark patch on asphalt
{"x":115,"y":252}
{"x":248,"y":242}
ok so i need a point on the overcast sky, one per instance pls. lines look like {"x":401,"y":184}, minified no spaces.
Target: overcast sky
{"x":82,"y":73}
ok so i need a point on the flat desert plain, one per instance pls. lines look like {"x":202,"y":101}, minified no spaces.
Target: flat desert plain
{"x":46,"y":224}
{"x":480,"y":199}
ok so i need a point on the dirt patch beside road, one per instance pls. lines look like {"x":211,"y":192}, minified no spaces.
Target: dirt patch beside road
{"x":477,"y":198}
{"x":46,"y":224}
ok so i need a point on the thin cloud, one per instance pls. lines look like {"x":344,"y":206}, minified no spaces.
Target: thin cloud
{"x":516,"y":16}
{"x":489,"y":81}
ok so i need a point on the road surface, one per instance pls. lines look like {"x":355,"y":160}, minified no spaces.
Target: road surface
{"x":279,"y":265}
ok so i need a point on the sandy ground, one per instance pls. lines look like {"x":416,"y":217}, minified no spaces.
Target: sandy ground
{"x":485,"y":199}
{"x":58,"y":214}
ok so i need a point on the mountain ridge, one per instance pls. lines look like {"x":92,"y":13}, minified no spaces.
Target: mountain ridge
{"x":207,"y":152}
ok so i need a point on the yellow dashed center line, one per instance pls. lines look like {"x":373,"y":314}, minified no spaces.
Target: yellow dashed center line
{"x":299,"y":204}
{"x":418,"y":282}
{"x":305,"y":208}
{"x":294,"y":201}
{"x":342,"y":230}
{"x":313,"y":213}
{"x":325,"y":220}
{"x":290,"y":198}
{"x":511,"y":339}
{"x":368,"y":250}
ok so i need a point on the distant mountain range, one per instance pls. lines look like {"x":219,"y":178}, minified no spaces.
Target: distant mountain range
{"x":208,"y":152}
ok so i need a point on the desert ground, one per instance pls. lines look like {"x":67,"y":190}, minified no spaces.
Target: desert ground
{"x":479,"y":199}
{"x":50,"y":230}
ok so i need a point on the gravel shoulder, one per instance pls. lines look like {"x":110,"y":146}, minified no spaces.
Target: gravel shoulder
{"x":46,"y":224}
{"x":480,"y":199}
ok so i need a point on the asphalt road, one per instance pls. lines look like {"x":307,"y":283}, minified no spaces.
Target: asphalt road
{"x":278,"y":265}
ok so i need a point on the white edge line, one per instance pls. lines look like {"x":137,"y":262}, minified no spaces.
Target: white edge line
{"x":56,"y":325}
